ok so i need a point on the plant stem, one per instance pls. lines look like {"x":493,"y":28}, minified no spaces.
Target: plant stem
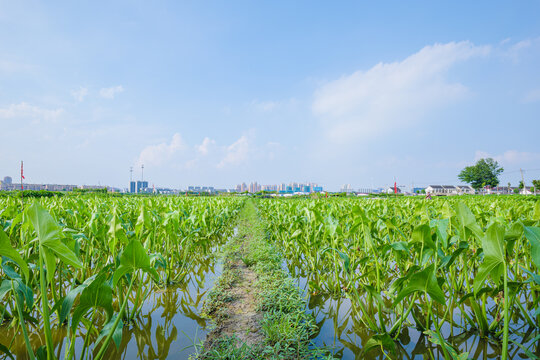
{"x":506,"y":317}
{"x":23,"y":325}
{"x":45,"y":306}
{"x":116,"y":322}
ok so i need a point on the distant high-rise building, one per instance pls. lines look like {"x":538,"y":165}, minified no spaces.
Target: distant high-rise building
{"x":142,"y":186}
{"x":8,"y":180}
{"x":346,"y":188}
{"x":133,"y":187}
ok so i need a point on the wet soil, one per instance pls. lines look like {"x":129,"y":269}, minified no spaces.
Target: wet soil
{"x":242,"y":318}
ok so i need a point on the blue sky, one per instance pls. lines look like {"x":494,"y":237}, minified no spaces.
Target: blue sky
{"x":217,"y":93}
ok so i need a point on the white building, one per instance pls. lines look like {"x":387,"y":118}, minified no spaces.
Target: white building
{"x":449,"y":190}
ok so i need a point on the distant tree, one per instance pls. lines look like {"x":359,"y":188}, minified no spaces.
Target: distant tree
{"x":536,"y":184}
{"x":521,"y":186}
{"x":484,"y":173}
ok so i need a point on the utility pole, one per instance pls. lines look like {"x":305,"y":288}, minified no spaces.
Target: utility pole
{"x":130,"y":177}
{"x":22,"y":187}
{"x":522,"y":180}
{"x":22,"y":176}
{"x":142,"y":177}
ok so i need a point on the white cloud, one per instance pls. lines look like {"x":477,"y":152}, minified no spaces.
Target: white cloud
{"x":26,"y":111}
{"x":110,"y":93}
{"x":392,"y":95}
{"x":79,"y":94}
{"x":532,"y":96}
{"x":509,"y":157}
{"x":204,"y":156}
{"x":514,"y":51}
{"x":205,"y":146}
{"x":265,"y":106}
{"x":236,"y":153}
{"x":272,"y":105}
{"x":10,"y":67}
{"x":160,"y":153}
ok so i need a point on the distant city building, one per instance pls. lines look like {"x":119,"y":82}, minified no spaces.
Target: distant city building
{"x":254,"y":187}
{"x":142,"y":187}
{"x":8,"y":180}
{"x":502,"y":190}
{"x":133,"y":187}
{"x":392,"y":190}
{"x":291,"y":188}
{"x":346,"y":188}
{"x":449,"y":190}
{"x":366,"y":191}
{"x":206,"y":189}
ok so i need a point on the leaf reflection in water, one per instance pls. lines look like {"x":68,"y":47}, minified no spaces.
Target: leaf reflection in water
{"x":157,"y":333}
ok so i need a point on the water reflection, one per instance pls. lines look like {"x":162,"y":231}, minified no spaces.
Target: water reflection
{"x":341,"y":329}
{"x":167,"y":328}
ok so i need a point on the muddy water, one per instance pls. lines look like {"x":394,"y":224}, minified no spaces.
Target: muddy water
{"x":345,"y":336}
{"x":168,"y":328}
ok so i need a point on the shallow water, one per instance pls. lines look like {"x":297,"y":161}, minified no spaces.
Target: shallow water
{"x":345,"y":335}
{"x":169,"y":326}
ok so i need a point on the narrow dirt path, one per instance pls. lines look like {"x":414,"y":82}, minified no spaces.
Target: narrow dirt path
{"x":239,"y":316}
{"x":242,"y":319}
{"x":259,"y":312}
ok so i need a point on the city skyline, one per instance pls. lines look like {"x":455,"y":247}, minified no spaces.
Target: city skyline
{"x":359,"y":93}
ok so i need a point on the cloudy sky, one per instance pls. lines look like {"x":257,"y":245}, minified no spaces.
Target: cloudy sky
{"x":216,"y":93}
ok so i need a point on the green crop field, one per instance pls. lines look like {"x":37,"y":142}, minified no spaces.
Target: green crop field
{"x":446,"y":268}
{"x":451,"y":278}
{"x":101,"y":257}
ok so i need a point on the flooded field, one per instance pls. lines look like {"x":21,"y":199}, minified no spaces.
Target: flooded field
{"x":345,"y":336}
{"x":170,"y":325}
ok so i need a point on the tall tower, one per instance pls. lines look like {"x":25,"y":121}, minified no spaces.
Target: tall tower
{"x":142,"y":172}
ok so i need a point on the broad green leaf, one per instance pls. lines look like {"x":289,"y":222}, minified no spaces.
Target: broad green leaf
{"x":536,"y":214}
{"x":494,"y":256}
{"x":116,"y":231}
{"x":97,"y":295}
{"x":533,"y":235}
{"x":424,"y":282}
{"x":380,"y":340}
{"x":143,"y":222}
{"x":422,"y":234}
{"x":5,"y":288}
{"x":512,"y":235}
{"x":117,"y":335}
{"x":344,"y":257}
{"x":442,"y":231}
{"x":8,"y":251}
{"x":467,"y":220}
{"x":49,"y":236}
{"x":46,"y":228}
{"x":434,"y":338}
{"x":134,"y":257}
{"x":24,"y":291}
{"x":400,"y":246}
{"x":66,"y":303}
